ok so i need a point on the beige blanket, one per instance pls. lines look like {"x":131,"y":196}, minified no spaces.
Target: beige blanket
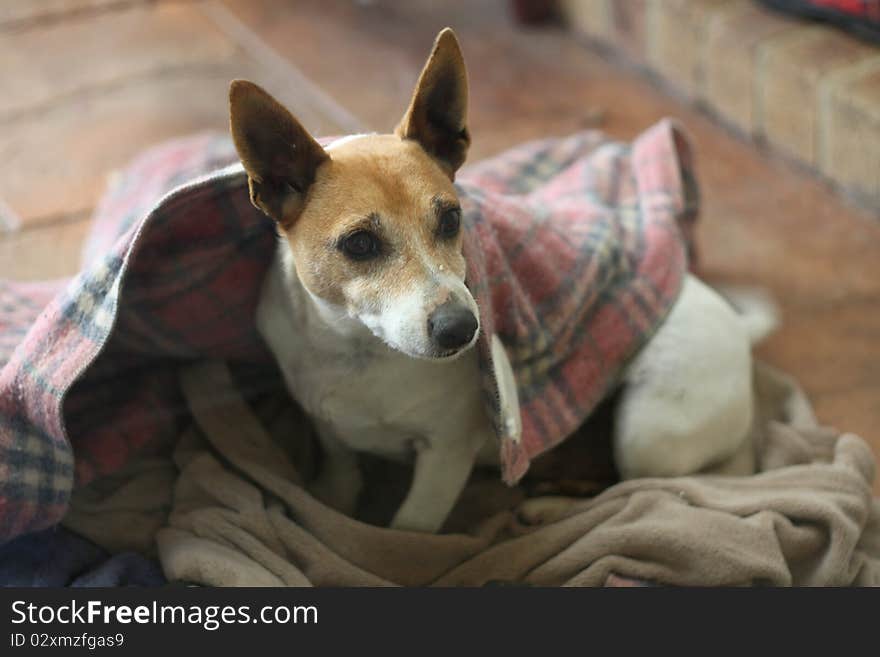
{"x":228,"y":508}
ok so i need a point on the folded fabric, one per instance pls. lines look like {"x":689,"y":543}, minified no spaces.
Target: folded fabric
{"x":240,"y":515}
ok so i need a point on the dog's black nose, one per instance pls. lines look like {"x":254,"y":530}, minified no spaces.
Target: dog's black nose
{"x":452,"y":325}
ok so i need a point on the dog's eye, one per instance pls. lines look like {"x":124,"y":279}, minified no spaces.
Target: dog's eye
{"x":450,"y":221}
{"x":361,"y":245}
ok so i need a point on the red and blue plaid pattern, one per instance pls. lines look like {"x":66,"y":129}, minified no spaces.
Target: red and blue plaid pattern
{"x":575,"y":247}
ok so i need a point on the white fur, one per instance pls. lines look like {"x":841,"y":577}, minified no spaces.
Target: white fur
{"x":365,"y":396}
{"x":686,"y":404}
{"x":687,"y":399}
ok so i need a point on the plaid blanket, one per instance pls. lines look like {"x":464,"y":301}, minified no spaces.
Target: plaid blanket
{"x":576,"y":249}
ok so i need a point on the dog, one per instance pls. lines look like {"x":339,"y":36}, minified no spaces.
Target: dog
{"x":366,"y":310}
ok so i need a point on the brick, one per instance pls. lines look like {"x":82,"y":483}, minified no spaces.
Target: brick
{"x":790,"y":71}
{"x":849,"y":147}
{"x":615,"y":22}
{"x":629,"y":26}
{"x":676,"y":41}
{"x":591,"y":18}
{"x":733,"y":37}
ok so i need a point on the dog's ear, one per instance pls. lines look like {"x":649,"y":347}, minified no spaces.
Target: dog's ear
{"x":278,"y":154}
{"x":437,"y":114}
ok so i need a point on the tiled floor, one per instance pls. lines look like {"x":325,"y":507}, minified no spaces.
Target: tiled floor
{"x":90,"y":82}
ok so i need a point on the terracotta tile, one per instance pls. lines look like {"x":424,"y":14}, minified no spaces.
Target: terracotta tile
{"x":676,"y":41}
{"x":309,"y":35}
{"x":17,"y":14}
{"x":397,"y":36}
{"x":57,"y":165}
{"x":504,"y":69}
{"x":834,"y":347}
{"x":57,"y":162}
{"x":71,"y":143}
{"x":43,"y":253}
{"x":765,"y":224}
{"x":44,"y":67}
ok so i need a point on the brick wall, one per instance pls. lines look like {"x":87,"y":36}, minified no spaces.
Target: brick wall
{"x":811,"y":92}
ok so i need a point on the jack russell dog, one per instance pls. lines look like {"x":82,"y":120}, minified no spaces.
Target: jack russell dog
{"x":366,"y":310}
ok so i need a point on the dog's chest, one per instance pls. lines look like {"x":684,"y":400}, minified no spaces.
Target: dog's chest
{"x":380,"y":403}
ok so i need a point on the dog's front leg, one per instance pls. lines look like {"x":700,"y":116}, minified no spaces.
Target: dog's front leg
{"x":439,"y":477}
{"x":339,"y":482}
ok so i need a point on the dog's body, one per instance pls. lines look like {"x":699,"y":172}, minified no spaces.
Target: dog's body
{"x":367,"y":314}
{"x":365,"y":396}
{"x":675,"y":416}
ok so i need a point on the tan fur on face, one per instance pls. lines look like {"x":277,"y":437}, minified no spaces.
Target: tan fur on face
{"x":395,"y":186}
{"x":390,"y":186}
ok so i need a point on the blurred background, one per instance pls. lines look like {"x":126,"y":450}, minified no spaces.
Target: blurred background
{"x":784,"y":114}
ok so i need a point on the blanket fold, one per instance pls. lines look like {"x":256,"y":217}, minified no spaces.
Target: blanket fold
{"x":240,"y":514}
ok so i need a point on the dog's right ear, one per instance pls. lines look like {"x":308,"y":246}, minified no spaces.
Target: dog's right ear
{"x":437,"y":114}
{"x":278,"y":154}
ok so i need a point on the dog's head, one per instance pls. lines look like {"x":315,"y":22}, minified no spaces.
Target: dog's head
{"x":373,"y":221}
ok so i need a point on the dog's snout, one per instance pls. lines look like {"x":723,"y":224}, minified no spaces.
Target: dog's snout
{"x":452,"y":325}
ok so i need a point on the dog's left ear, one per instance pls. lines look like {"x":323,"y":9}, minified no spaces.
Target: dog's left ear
{"x":437,"y":114}
{"x":280,"y":157}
